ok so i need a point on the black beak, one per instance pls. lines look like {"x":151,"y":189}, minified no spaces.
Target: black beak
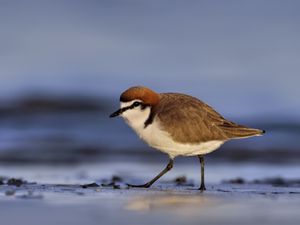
{"x":116,"y":113}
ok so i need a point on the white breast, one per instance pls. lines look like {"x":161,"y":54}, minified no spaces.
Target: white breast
{"x":157,"y":138}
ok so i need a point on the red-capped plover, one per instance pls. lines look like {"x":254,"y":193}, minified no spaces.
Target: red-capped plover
{"x":178,"y":125}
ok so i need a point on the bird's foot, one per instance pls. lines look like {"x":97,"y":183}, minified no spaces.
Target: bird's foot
{"x":202,"y":188}
{"x":147,"y":185}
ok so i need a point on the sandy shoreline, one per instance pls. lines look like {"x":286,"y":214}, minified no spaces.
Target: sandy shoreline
{"x":54,"y":195}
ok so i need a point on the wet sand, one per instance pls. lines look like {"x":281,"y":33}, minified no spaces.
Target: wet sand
{"x":221,"y":204}
{"x":63,"y":196}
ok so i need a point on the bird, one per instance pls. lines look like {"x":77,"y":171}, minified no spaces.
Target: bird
{"x":178,"y":125}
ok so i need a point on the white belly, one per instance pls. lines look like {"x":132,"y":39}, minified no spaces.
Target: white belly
{"x":161,"y":140}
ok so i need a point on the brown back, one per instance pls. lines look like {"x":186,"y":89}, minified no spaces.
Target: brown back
{"x":190,"y":120}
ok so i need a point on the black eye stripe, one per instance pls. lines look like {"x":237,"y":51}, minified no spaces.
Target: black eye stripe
{"x":132,"y":106}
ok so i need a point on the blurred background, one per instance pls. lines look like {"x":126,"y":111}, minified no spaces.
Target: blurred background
{"x":63,"y":65}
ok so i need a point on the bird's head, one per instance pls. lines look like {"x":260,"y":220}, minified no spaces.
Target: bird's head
{"x":136,"y":102}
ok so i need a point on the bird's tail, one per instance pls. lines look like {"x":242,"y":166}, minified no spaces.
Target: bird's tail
{"x":239,"y":131}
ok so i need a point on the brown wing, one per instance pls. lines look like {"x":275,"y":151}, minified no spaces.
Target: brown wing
{"x":190,"y":120}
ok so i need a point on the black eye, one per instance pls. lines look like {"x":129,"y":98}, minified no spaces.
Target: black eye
{"x":136,"y":104}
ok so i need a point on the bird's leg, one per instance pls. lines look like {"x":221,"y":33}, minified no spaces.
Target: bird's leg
{"x":148,"y":184}
{"x":201,"y":159}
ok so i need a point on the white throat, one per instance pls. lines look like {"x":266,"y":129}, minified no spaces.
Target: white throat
{"x":135,"y":117}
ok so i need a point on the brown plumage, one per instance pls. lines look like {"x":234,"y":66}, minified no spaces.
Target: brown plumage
{"x":189,"y":120}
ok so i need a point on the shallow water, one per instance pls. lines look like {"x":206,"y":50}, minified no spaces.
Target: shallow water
{"x":139,"y":171}
{"x":58,"y":198}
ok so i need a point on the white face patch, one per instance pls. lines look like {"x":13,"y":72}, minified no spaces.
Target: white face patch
{"x":135,"y":117}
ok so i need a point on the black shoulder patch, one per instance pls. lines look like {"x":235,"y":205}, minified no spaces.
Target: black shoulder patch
{"x":150,"y":119}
